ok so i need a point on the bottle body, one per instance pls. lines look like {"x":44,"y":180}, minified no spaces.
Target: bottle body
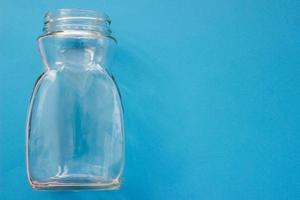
{"x":75,"y":137}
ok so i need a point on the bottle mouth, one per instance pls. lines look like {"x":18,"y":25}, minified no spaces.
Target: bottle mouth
{"x":76,"y":21}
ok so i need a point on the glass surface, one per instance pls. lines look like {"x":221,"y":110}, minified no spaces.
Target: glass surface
{"x":75,"y":136}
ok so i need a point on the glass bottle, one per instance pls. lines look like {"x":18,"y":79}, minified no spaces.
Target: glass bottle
{"x":74,"y":135}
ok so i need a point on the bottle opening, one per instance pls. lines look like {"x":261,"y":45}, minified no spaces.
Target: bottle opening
{"x":76,"y":20}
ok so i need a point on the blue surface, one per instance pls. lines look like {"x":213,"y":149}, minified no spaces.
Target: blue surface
{"x":211,"y":91}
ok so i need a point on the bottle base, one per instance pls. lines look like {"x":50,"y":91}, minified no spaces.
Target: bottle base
{"x":75,"y":186}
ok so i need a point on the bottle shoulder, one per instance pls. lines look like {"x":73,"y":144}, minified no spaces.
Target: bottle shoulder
{"x":53,"y":75}
{"x":73,"y":81}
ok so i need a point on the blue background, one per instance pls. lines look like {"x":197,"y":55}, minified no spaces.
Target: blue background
{"x":211,"y":90}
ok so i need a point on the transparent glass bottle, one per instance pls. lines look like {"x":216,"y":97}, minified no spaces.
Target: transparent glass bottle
{"x":74,"y":136}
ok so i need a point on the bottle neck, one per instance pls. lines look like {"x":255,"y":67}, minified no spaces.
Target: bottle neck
{"x":75,"y":53}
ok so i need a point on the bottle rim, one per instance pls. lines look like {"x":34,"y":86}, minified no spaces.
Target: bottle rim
{"x":76,"y":22}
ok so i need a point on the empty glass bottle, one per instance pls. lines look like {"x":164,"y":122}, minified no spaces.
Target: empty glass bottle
{"x":74,"y":130}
